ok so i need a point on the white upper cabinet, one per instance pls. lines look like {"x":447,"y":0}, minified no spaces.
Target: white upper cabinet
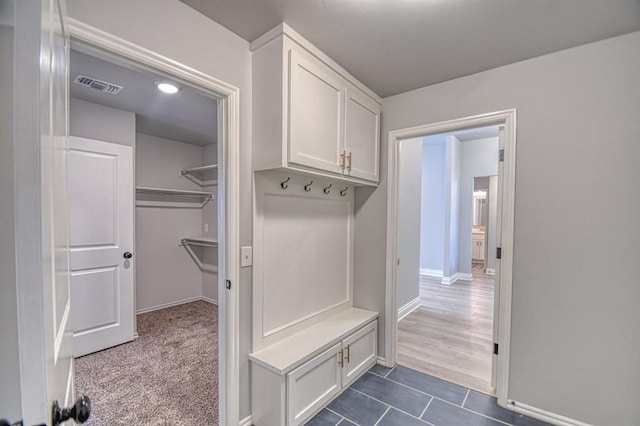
{"x":309,"y":114}
{"x":316,"y":114}
{"x":362,"y":135}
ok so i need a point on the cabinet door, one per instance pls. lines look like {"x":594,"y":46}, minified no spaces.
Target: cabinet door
{"x":362,"y":135}
{"x":312,"y":385}
{"x":315,"y":114}
{"x":360,"y":352}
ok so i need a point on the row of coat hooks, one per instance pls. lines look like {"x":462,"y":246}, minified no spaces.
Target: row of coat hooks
{"x":284,"y":185}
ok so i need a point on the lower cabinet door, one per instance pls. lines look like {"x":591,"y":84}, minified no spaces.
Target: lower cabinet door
{"x":312,"y":385}
{"x":360,"y":352}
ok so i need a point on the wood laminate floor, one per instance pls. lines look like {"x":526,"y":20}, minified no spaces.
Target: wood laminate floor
{"x":451,"y":335}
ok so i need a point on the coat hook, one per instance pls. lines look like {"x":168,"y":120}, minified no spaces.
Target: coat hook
{"x":344,"y":191}
{"x":327,"y":189}
{"x":307,"y":187}
{"x":283,"y":184}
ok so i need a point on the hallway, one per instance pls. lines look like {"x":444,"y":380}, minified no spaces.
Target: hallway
{"x":450,"y":334}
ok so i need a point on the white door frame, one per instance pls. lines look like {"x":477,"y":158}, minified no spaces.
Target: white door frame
{"x":506,"y":118}
{"x":228,"y":195}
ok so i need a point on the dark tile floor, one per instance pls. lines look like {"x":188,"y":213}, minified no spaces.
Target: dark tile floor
{"x":405,"y":397}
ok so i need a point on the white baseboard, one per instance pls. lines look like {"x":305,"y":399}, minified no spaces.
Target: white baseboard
{"x":463,"y":276}
{"x":408,"y":308}
{"x":547,"y":416}
{"x":490,"y":271}
{"x":170,"y":304}
{"x":433,"y":273}
{"x":450,"y":280}
{"x":209,"y":300}
{"x":382,"y":361}
{"x":247,"y":421}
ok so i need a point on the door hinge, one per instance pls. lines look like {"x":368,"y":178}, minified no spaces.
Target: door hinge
{"x":228,"y":284}
{"x":398,"y":261}
{"x":501,"y":155}
{"x":498,"y":252}
{"x":495,"y":349}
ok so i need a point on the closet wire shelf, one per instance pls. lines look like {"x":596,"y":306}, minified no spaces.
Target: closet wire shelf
{"x":199,"y":241}
{"x":171,"y":198}
{"x":202,"y":175}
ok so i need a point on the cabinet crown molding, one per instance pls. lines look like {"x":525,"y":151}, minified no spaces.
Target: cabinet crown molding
{"x":284,"y":29}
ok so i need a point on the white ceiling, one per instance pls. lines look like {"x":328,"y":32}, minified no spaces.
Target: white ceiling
{"x":186,"y":116}
{"x":394,"y":46}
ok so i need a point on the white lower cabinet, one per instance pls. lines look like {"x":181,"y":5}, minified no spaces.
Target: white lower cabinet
{"x":313,"y":385}
{"x":316,"y":382}
{"x":292,"y":396}
{"x":359,"y":352}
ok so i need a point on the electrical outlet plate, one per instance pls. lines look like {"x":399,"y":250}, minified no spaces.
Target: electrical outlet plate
{"x":246,"y":256}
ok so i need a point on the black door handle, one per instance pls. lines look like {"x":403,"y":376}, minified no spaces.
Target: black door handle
{"x":80,"y":412}
{"x":128,"y":255}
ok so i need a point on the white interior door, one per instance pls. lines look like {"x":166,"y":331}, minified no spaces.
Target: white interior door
{"x":315,"y":114}
{"x":101,"y":234}
{"x":40,"y":201}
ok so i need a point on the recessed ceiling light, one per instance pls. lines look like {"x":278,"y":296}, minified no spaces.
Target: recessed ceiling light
{"x":166,"y":87}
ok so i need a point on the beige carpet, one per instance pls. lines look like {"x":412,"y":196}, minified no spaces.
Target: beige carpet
{"x":168,"y":376}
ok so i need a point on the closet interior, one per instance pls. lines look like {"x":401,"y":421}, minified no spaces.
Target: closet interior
{"x":144,"y":223}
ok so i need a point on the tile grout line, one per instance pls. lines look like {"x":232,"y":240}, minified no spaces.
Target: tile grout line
{"x":390,"y":371}
{"x":425,"y":408}
{"x":433,"y":397}
{"x":409,"y":387}
{"x":339,"y":415}
{"x":389,"y":405}
{"x":465,"y":397}
{"x":474,"y":412}
{"x":383,"y":414}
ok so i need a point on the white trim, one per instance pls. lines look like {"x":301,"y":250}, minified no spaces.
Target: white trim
{"x":178,"y":303}
{"x":209,"y":300}
{"x":229,"y":206}
{"x":408,"y":308}
{"x":432,"y":273}
{"x":449,"y":280}
{"x":291,"y":34}
{"x":381,"y":361}
{"x":546,"y":416}
{"x":508,"y":119}
{"x":464,"y":276}
{"x":490,"y":271}
{"x":247,"y":421}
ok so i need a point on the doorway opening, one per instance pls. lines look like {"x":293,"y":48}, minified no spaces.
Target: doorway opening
{"x":450,"y":250}
{"x":446,"y":309}
{"x":153,"y":237}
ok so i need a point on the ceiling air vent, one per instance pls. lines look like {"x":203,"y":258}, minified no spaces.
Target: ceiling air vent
{"x":94,"y":83}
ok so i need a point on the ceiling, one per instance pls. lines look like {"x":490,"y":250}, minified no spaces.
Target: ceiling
{"x":394,"y":46}
{"x":187,"y":116}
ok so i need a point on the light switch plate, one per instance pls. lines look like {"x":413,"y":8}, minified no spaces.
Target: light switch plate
{"x":246,"y":256}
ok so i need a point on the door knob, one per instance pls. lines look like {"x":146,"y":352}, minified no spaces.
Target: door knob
{"x":80,"y":411}
{"x":128,"y":255}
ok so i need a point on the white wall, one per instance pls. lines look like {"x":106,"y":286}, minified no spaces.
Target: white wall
{"x":165,"y":272}
{"x":432,"y":214}
{"x":575,"y":343}
{"x":93,"y":121}
{"x":210,"y":218}
{"x":10,"y":405}
{"x":451,"y":208}
{"x":477,"y":158}
{"x":172,"y":29}
{"x":492,"y":222}
{"x":409,"y":205}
